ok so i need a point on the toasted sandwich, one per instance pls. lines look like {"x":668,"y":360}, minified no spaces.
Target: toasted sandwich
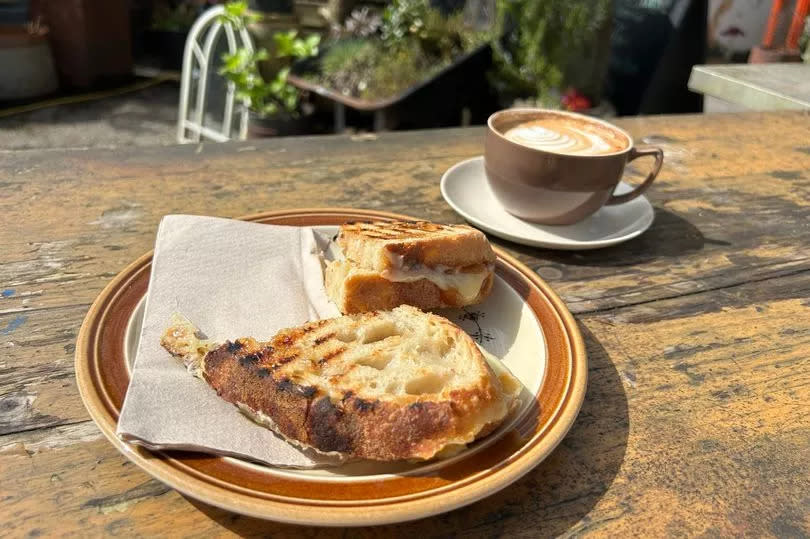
{"x":427,"y":265}
{"x":386,"y":386}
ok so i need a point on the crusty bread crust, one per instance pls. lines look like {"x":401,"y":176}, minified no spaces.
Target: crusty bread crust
{"x":356,"y":291}
{"x":378,"y":246}
{"x":279,"y":378}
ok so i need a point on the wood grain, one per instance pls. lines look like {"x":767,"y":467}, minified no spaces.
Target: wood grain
{"x":696,"y":419}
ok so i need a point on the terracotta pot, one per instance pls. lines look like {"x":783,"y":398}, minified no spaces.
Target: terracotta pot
{"x":91,"y":40}
{"x":27,"y":63}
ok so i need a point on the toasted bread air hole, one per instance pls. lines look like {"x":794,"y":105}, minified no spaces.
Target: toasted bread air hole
{"x":447,"y":344}
{"x":376,"y":361}
{"x":379,"y":331}
{"x":425,"y":384}
{"x":346,"y":335}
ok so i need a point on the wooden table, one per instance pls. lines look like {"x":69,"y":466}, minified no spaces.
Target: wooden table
{"x":697,"y":416}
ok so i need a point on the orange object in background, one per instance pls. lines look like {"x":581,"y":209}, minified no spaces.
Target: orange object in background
{"x":789,"y":51}
{"x":773,"y":21}
{"x":796,"y":25}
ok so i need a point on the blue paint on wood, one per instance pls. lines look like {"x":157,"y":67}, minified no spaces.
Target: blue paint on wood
{"x":14,"y":324}
{"x":7,"y":293}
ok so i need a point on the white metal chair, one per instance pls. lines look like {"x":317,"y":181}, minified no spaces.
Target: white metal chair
{"x":200,"y":44}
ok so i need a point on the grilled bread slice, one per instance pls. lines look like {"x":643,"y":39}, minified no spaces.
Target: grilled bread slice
{"x":393,"y":385}
{"x":427,"y":265}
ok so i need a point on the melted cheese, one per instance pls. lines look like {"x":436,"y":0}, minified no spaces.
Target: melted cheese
{"x":467,"y":285}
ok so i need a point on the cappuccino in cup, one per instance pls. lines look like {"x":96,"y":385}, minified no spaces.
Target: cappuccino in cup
{"x":565,"y":135}
{"x":554,"y":167}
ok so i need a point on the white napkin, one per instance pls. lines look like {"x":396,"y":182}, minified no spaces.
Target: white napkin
{"x":231,"y":279}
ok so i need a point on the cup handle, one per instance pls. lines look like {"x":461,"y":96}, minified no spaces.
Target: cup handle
{"x":634,"y":154}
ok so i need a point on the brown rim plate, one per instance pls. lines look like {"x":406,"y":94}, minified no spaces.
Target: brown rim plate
{"x":103,"y":376}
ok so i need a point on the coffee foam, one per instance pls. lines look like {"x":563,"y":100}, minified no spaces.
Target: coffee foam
{"x":562,"y":135}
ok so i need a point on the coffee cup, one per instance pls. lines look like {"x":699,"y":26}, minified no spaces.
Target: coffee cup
{"x":557,"y":168}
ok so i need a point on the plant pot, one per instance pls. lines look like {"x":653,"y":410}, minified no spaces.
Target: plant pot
{"x":28,"y":69}
{"x":438,"y":101}
{"x":277,"y":126}
{"x":90,"y":38}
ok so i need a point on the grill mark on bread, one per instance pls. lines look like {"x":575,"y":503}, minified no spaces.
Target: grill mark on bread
{"x":323,"y":338}
{"x":324,"y":427}
{"x":378,"y":236}
{"x":280,"y":362}
{"x":249,"y":360}
{"x":285,"y":384}
{"x":311,"y":326}
{"x":393,"y":230}
{"x":362,"y":405}
{"x":331,"y":355}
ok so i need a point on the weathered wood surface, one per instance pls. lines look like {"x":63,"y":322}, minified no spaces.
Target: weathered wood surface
{"x":697,"y":417}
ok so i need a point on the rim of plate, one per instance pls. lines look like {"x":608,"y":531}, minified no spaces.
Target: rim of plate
{"x":99,"y":360}
{"x":566,"y":245}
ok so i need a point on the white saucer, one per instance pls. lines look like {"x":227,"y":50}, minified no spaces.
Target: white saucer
{"x":464,"y":186}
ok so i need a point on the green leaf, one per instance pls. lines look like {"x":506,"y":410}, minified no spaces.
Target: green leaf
{"x":265,"y":97}
{"x":291,"y":101}
{"x":236,"y":9}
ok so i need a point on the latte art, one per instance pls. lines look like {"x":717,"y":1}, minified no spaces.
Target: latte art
{"x":561,"y":137}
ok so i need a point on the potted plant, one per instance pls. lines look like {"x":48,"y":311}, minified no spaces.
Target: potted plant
{"x":411,"y":62}
{"x":25,"y":54}
{"x":275,"y":105}
{"x":552,"y":53}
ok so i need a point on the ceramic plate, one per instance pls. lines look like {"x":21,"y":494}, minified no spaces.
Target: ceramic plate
{"x":523,"y":321}
{"x":464,"y":186}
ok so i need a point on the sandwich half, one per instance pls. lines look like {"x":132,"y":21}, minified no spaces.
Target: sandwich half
{"x":386,"y":386}
{"x":427,"y":265}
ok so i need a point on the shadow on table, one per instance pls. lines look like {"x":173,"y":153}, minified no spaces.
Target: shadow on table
{"x":669,"y":236}
{"x":550,"y":500}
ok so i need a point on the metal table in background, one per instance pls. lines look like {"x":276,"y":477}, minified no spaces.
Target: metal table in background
{"x":738,"y":87}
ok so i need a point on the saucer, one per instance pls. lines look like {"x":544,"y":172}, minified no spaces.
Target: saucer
{"x":464,"y":186}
